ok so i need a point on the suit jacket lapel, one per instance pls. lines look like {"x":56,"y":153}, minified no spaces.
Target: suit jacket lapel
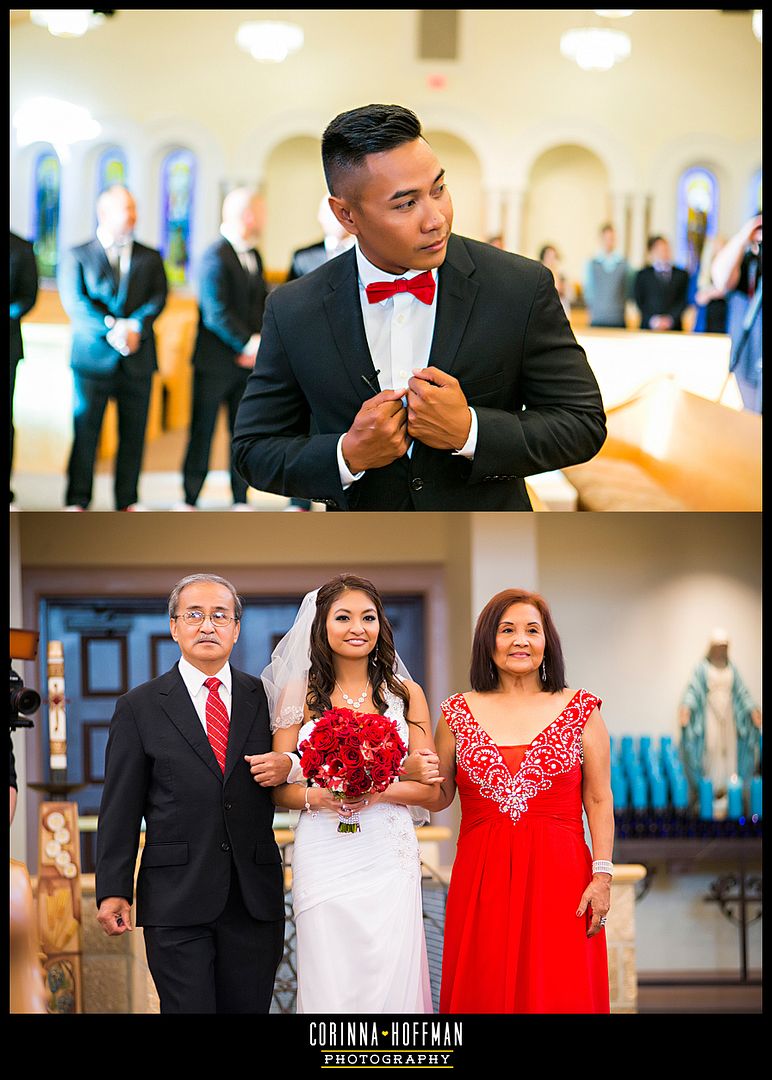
{"x":244,"y":701}
{"x":344,"y":312}
{"x":455,"y":299}
{"x":126,"y":281}
{"x":176,"y":703}
{"x":100,"y":256}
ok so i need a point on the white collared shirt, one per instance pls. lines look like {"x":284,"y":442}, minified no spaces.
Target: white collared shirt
{"x":399,"y":332}
{"x":119,"y":255}
{"x":243,"y":248}
{"x":194,"y":683}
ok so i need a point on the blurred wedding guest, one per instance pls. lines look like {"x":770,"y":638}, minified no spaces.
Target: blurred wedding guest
{"x":113,"y":288}
{"x":23,"y":288}
{"x":527,"y":905}
{"x":737,"y":270}
{"x":549,"y":256}
{"x":607,"y":282}
{"x":661,"y":290}
{"x":232,"y":294}
{"x":497,"y":242}
{"x":420,"y":370}
{"x":708,"y":298}
{"x":335,"y":241}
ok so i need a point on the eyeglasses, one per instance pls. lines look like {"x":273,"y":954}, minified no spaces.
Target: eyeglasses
{"x":198,"y":618}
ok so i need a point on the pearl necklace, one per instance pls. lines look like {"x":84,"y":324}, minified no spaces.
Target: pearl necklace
{"x":350,"y":701}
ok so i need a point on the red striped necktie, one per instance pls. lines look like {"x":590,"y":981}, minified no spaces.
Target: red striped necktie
{"x":216,"y":721}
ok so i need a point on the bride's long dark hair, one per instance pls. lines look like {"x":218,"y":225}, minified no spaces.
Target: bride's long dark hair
{"x":380,"y":664}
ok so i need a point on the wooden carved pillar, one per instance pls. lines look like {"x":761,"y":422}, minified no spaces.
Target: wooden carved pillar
{"x":59,"y":904}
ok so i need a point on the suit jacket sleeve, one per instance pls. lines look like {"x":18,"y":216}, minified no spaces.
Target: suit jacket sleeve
{"x":25,"y":282}
{"x":127,"y":776}
{"x":85,"y":313}
{"x":563,"y":422}
{"x":217,"y":312}
{"x":155,"y":289}
{"x":272,"y":448}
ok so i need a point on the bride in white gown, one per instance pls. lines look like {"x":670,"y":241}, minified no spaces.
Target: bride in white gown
{"x":356,"y":895}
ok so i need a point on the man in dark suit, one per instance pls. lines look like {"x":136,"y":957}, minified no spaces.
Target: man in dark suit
{"x":661,"y":289}
{"x":495,"y":386}
{"x":210,"y":890}
{"x":232,"y":295}
{"x":113,"y":289}
{"x":24,"y":290}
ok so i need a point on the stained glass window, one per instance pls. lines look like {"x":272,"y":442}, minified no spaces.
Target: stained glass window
{"x":177,"y":191}
{"x":112,"y":168}
{"x":45,"y":213}
{"x":697,"y":216}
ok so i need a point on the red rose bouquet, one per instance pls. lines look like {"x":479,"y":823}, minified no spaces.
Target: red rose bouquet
{"x":352,"y":754}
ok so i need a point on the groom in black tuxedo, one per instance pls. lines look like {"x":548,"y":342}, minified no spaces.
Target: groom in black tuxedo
{"x":113,"y":289}
{"x":421,"y":370}
{"x":210,"y":890}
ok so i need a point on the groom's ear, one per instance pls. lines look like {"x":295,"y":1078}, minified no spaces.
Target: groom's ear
{"x":342,"y":209}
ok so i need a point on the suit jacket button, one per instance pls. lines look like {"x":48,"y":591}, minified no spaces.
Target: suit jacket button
{"x":417,"y":484}
{"x":225,"y":846}
{"x":228,"y":806}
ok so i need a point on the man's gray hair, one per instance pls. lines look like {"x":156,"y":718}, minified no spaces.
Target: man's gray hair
{"x":194,"y":579}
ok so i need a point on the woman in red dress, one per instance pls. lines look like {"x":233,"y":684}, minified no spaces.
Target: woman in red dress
{"x":527,"y":901}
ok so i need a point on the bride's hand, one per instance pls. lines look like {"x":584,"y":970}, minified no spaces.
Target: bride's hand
{"x":322,"y":799}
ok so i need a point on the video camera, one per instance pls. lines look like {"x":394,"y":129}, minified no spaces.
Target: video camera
{"x":24,"y":700}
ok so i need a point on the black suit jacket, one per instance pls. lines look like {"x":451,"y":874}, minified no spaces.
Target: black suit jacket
{"x":159,"y":765}
{"x":500,"y":330}
{"x":306,"y":259}
{"x":230,"y":307}
{"x":89,"y":292}
{"x":23,"y":287}
{"x":655,"y":296}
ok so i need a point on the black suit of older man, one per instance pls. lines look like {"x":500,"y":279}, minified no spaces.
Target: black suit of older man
{"x":500,"y":330}
{"x":93,"y":297}
{"x":210,"y":856}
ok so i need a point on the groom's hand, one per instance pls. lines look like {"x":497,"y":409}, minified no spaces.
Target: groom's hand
{"x":437,"y":411}
{"x":269,"y":770}
{"x":378,"y":434}
{"x":114,"y":915}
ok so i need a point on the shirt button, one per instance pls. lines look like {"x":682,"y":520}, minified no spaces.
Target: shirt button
{"x":417,"y":484}
{"x":400,"y":319}
{"x":225,"y":846}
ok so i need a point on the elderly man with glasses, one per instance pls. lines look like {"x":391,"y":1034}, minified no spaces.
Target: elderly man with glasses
{"x":210,"y":891}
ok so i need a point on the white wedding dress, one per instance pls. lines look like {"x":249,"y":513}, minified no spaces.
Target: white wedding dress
{"x":358,"y":913}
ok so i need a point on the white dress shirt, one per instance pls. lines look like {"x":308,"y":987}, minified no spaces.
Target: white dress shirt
{"x":399,"y":332}
{"x":118,"y":251}
{"x":194,"y":682}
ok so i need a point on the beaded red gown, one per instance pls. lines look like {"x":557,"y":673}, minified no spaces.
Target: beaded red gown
{"x":513,"y":941}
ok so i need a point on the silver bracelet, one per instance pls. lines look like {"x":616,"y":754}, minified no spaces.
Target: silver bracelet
{"x":307,"y":804}
{"x":602,"y":866}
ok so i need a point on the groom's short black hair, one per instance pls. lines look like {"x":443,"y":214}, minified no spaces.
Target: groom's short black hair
{"x":370,"y":129}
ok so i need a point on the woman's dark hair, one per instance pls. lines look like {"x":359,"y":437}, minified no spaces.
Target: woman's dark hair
{"x":370,"y":129}
{"x":380,"y":668}
{"x":483,"y":673}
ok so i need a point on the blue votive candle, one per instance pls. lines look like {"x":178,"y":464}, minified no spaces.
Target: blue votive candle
{"x":639,"y":795}
{"x":705,"y":792}
{"x":680,"y":791}
{"x":734,"y":792}
{"x":658,"y":791}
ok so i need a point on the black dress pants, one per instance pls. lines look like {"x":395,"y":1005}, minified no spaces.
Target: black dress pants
{"x":91,"y":394}
{"x":210,"y":390}
{"x":226,"y":966}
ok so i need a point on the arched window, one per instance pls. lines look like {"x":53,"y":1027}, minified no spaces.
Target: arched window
{"x":697,"y":216}
{"x":177,"y":190}
{"x":754,"y":194}
{"x":45,"y":212}
{"x":112,"y":168}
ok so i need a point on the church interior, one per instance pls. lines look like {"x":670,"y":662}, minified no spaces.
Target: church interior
{"x":647,"y":554}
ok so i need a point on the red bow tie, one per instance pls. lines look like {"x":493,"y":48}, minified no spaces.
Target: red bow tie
{"x":421,"y":286}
